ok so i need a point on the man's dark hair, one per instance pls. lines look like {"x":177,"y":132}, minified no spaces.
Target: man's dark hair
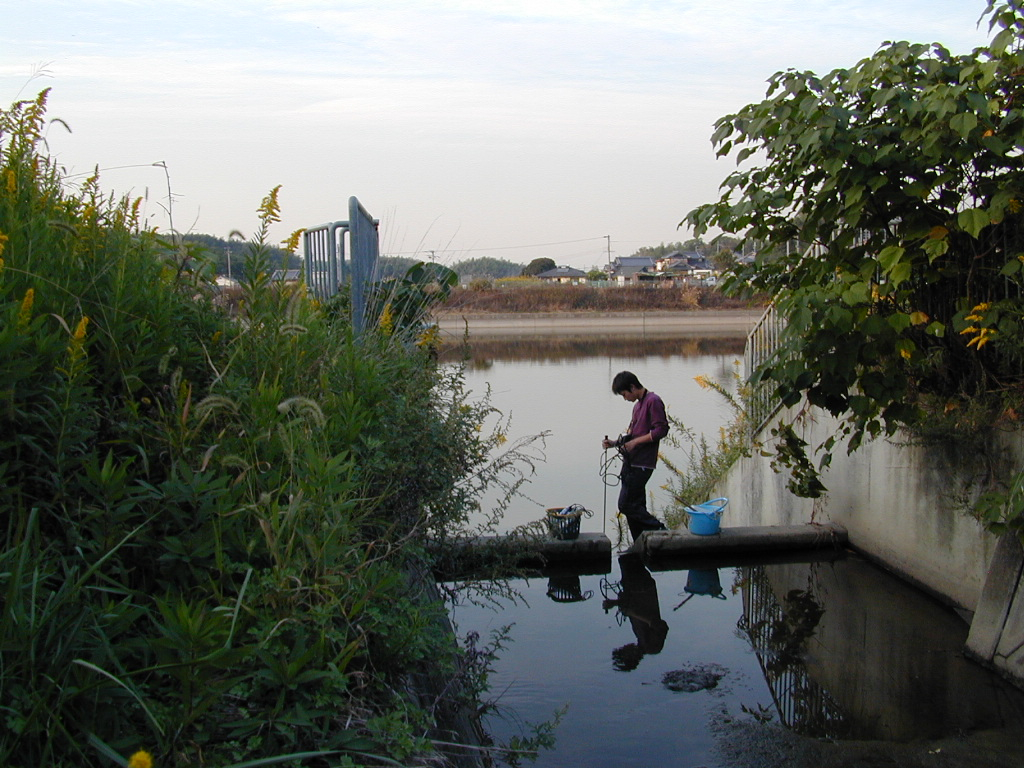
{"x":624,"y":382}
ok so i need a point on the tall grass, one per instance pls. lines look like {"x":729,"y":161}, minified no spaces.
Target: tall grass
{"x":696,"y":479}
{"x":205,"y":517}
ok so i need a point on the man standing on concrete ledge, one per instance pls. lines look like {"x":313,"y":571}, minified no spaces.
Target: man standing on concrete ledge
{"x":639,"y":449}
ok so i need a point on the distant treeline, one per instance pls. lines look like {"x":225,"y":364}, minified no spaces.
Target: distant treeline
{"x":227,"y":256}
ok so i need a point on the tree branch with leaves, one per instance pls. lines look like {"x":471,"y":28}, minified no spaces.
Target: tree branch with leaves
{"x":903,"y":176}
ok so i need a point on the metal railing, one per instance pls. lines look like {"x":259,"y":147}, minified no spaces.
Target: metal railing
{"x":802,"y":704}
{"x":327,"y":268}
{"x":762,"y":344}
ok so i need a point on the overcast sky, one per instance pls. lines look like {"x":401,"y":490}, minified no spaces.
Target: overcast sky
{"x":470,"y":128}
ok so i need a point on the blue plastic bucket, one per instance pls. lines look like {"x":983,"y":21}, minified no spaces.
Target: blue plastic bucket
{"x":705,"y":518}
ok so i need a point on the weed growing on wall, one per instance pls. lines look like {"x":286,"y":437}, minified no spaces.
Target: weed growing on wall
{"x":695,"y":479}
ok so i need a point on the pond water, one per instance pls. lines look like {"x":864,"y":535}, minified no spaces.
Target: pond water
{"x":563,"y":387}
{"x":701,"y":667}
{"x":711,"y":663}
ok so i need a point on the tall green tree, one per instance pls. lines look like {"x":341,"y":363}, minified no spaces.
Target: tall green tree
{"x":537,"y":266}
{"x":487,"y":266}
{"x":903,"y":175}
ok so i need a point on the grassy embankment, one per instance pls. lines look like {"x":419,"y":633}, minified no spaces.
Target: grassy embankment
{"x":530,"y":295}
{"x":207,"y":519}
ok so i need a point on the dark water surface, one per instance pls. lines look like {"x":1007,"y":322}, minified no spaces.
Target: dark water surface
{"x":666,"y":668}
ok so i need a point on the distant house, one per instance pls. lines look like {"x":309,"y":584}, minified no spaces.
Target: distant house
{"x":689,"y":266}
{"x":630,"y":269}
{"x":286,"y":276}
{"x":563,"y":275}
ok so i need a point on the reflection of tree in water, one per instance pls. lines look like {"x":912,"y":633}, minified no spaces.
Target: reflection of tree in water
{"x":482,"y":353}
{"x":778,"y":633}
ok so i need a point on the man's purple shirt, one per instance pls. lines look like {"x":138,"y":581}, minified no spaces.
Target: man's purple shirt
{"x":648,"y":416}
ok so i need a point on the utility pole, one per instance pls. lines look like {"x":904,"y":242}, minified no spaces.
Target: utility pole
{"x":608,"y":238}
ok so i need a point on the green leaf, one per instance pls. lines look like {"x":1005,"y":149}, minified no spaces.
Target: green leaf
{"x":890,"y":256}
{"x":964,"y":123}
{"x":900,"y":273}
{"x":973,"y":220}
{"x":1012,"y":267}
{"x":858,"y":293}
{"x":899,"y":322}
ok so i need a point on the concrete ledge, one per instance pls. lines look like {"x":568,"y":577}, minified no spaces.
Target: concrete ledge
{"x":742,"y":540}
{"x":591,"y":552}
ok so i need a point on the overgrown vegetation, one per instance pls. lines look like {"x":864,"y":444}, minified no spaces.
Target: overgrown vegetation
{"x":903,"y":173}
{"x":530,"y":295}
{"x":706,"y":462}
{"x":207,"y":519}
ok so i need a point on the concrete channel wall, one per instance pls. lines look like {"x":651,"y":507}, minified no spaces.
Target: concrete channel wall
{"x":905,"y":506}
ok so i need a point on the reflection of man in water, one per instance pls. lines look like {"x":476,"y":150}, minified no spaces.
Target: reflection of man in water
{"x":638,"y":601}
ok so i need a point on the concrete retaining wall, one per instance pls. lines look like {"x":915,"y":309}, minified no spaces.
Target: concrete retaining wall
{"x":903,"y":505}
{"x":906,"y":507}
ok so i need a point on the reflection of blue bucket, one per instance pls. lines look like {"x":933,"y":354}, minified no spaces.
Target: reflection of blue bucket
{"x":704,"y":581}
{"x":705,"y":518}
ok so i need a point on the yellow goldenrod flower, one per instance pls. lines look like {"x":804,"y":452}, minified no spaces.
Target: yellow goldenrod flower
{"x":292,"y":243}
{"x":702,"y":381}
{"x":428,"y":337}
{"x":76,"y":346}
{"x":141,"y":759}
{"x":25,"y":313}
{"x":387,"y":320}
{"x":905,"y":353}
{"x":270,"y":209}
{"x":3,"y":242}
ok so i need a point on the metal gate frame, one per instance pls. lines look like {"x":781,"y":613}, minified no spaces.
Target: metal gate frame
{"x":326,"y":267}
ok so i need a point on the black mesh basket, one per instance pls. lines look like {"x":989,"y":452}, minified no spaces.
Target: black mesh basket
{"x":564,"y":522}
